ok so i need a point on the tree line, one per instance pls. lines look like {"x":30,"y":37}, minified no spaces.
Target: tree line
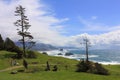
{"x":9,"y":45}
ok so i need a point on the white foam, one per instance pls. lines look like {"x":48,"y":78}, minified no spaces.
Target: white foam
{"x":110,"y":63}
{"x":55,"y":52}
{"x":84,"y":56}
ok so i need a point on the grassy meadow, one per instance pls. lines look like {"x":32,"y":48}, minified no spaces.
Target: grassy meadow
{"x":37,"y":66}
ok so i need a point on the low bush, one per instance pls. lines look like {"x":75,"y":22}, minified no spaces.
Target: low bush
{"x":55,"y":68}
{"x":82,"y":66}
{"x":90,"y":67}
{"x":45,"y":53}
{"x":100,"y":69}
{"x":47,"y":66}
{"x":31,"y":54}
{"x":25,"y":64}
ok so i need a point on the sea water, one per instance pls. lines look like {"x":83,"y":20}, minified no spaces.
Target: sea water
{"x":100,"y":56}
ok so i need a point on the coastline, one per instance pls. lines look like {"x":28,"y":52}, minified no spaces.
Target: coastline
{"x":78,"y":57}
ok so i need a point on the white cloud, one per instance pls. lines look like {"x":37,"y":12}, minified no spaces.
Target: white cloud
{"x":41,"y":19}
{"x":111,"y":38}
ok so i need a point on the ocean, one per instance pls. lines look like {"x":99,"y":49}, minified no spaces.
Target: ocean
{"x":100,"y":56}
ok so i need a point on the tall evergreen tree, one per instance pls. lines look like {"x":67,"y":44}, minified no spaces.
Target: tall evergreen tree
{"x":22,"y":26}
{"x":1,"y":43}
{"x":9,"y":45}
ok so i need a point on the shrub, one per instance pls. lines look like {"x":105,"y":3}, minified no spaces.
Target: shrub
{"x":100,"y":69}
{"x":90,"y":67}
{"x":19,"y":53}
{"x":55,"y":68}
{"x":31,"y":54}
{"x":25,"y":64}
{"x":45,"y":53}
{"x":47,"y":66}
{"x":82,"y":66}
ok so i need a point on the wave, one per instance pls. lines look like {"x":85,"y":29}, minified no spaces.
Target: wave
{"x":74,"y":56}
{"x":109,"y":63}
{"x":93,"y":57}
{"x":84,"y":56}
{"x":56,"y":52}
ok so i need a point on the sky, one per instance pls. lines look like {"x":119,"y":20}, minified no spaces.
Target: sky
{"x":83,"y":14}
{"x":65,"y":22}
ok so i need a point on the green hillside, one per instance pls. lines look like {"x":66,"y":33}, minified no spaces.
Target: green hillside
{"x":37,"y":66}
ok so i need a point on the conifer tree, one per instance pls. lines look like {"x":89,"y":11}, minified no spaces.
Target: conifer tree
{"x":22,"y":26}
{"x":9,"y":45}
{"x":1,"y":43}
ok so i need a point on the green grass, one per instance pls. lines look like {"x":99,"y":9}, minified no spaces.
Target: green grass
{"x":61,"y":74}
{"x":5,"y":59}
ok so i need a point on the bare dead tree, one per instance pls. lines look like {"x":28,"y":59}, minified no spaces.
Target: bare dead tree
{"x":86,"y":43}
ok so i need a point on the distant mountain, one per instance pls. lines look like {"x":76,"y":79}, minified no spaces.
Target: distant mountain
{"x":44,"y":47}
{"x":40,"y":46}
{"x":68,"y":47}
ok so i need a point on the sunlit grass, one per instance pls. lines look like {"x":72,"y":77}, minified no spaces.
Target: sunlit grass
{"x":61,"y":74}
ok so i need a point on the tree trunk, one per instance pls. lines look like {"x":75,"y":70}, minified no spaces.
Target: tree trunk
{"x":86,"y":43}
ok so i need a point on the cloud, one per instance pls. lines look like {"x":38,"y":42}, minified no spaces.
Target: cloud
{"x":45,"y":27}
{"x":91,"y":26}
{"x":97,"y":41}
